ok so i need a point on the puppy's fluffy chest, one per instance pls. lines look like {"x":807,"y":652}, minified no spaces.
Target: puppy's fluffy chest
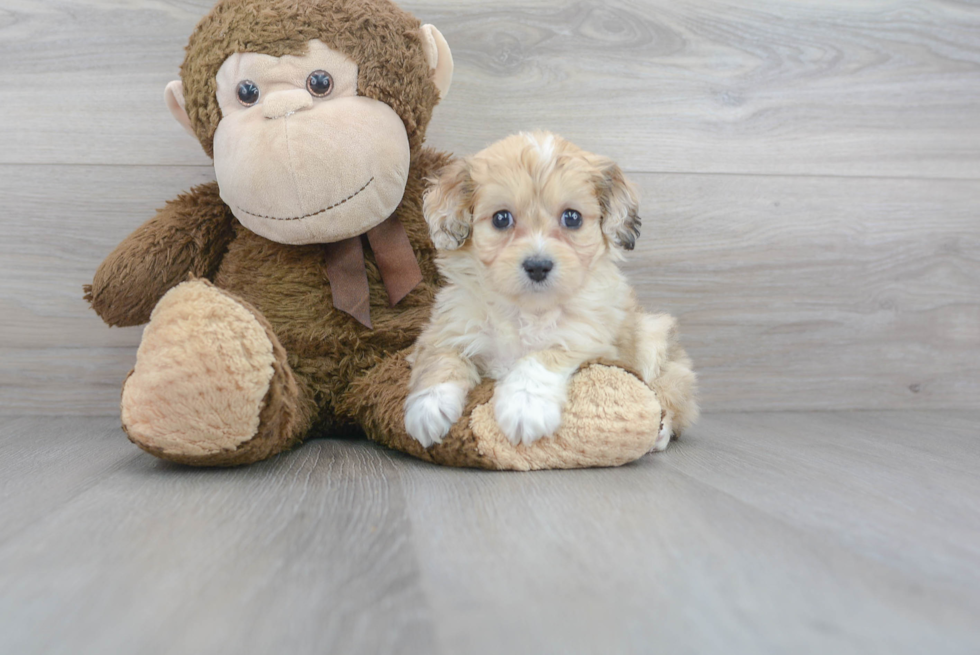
{"x":507,"y":335}
{"x":495,"y":334}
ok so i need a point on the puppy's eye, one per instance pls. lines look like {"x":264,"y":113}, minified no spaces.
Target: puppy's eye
{"x":571,"y":219}
{"x":248,"y":93}
{"x":502,"y":220}
{"x":319,"y":83}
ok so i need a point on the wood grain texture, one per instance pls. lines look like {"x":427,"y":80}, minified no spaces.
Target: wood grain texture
{"x":690,"y":552}
{"x":306,"y":553}
{"x":891,"y":466}
{"x":758,"y":532}
{"x":764,"y":136}
{"x":878,"y":87}
{"x":834,"y":87}
{"x":793,"y":293}
{"x":59,"y":222}
{"x":818,"y":293}
{"x":84,"y":81}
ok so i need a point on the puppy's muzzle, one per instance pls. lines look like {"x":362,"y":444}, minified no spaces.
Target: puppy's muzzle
{"x":538,"y":268}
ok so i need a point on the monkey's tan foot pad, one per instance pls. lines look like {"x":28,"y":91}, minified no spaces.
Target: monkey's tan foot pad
{"x":204,"y":374}
{"x":611,"y":418}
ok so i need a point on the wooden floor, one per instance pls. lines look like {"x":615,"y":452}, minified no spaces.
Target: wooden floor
{"x":759,"y":532}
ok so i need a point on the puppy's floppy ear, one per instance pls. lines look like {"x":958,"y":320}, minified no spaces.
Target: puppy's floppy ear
{"x":619,"y":202}
{"x":446,"y":206}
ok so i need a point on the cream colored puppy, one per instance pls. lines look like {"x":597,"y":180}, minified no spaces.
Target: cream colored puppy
{"x":530,"y":231}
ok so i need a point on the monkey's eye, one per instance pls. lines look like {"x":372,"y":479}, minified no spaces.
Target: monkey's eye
{"x":319,"y":83}
{"x":502,"y":219}
{"x":571,"y":219}
{"x":248,"y":93}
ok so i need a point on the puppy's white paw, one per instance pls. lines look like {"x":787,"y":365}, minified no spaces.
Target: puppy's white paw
{"x":664,"y":436}
{"x":528,"y":402}
{"x":429,"y":413}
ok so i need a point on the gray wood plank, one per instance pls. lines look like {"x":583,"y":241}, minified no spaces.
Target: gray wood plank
{"x":793,"y":293}
{"x":307,"y":553}
{"x":116,"y":59}
{"x":45,"y":463}
{"x":900,"y":488}
{"x":58,"y":223}
{"x":818,"y":293}
{"x":58,"y":381}
{"x":758,"y":532}
{"x":833,"y":87}
{"x":653,"y":558}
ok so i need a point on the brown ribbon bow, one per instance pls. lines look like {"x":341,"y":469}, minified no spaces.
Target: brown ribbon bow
{"x":348,"y":279}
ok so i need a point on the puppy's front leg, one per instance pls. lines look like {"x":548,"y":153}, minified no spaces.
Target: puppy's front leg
{"x":529,"y":400}
{"x":441,"y":379}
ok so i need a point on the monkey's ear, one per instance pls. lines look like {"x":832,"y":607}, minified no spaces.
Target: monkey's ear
{"x":174,"y":96}
{"x":619,"y":203}
{"x":440,"y":58}
{"x":446,"y":206}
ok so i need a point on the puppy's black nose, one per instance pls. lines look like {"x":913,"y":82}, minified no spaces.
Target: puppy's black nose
{"x":538,"y":269}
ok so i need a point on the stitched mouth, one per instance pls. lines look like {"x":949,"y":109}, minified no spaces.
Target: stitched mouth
{"x":316,"y":213}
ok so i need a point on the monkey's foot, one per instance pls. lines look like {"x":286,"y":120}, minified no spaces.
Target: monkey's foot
{"x":211,"y":386}
{"x":612,"y":417}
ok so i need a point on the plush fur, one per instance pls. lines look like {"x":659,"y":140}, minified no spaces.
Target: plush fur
{"x":612,"y":418}
{"x":384,"y":42}
{"x":330,"y":375}
{"x":530,"y":299}
{"x":285,"y":286}
{"x":204,"y":367}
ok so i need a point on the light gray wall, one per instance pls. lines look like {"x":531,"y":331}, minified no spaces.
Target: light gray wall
{"x":810,"y":175}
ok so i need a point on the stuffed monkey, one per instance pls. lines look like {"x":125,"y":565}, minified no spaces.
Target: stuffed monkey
{"x":282,"y":299}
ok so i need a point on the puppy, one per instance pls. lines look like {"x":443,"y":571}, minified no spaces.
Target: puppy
{"x":530,"y":231}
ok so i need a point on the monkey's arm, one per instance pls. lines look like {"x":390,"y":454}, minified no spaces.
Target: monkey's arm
{"x":187,"y":237}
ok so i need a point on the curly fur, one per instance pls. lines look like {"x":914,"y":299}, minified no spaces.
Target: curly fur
{"x":493,"y":319}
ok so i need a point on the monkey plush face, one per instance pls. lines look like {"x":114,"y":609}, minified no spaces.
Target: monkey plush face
{"x":312,"y":138}
{"x":299,"y":156}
